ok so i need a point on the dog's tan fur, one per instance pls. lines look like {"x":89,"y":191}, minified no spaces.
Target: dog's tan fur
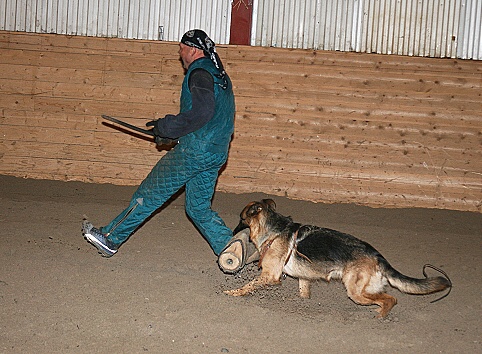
{"x":365,"y":273}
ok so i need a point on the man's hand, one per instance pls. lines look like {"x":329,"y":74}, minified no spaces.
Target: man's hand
{"x":155,"y":127}
{"x":157,"y":134}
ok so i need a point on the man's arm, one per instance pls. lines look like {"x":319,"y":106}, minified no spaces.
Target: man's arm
{"x":201,"y":85}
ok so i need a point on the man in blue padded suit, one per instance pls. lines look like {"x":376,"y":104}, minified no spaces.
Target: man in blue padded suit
{"x":203,"y":129}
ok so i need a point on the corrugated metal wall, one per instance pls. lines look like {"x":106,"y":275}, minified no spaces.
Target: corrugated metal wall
{"x":433,"y":28}
{"x":138,"y":19}
{"x":470,"y":30}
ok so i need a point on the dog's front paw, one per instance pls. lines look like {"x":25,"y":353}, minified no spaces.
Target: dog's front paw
{"x":236,"y":292}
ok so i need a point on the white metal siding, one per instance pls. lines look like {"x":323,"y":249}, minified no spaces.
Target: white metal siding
{"x":435,"y":28}
{"x":140,"y":19}
{"x":470,"y":30}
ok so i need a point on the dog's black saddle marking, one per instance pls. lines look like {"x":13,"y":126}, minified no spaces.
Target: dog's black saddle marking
{"x":324,"y":244}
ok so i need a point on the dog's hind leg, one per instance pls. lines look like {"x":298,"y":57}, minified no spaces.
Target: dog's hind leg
{"x":305,"y":288}
{"x":365,"y":286}
{"x":385,"y":301}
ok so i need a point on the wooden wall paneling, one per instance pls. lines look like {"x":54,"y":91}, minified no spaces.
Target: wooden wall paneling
{"x":384,"y":131}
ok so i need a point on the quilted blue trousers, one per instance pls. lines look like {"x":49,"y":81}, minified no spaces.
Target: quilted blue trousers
{"x":198,"y":171}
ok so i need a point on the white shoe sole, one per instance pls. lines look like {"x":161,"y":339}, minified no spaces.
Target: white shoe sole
{"x":103,"y":249}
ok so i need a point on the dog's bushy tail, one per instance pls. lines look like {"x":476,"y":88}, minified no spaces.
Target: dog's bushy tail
{"x":416,"y":286}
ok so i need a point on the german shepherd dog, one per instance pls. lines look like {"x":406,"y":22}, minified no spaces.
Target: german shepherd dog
{"x":311,"y":253}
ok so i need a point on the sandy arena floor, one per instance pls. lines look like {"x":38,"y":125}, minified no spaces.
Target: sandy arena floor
{"x":162,"y":292}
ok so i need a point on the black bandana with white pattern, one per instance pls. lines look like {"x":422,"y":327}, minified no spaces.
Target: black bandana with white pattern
{"x":200,"y":40}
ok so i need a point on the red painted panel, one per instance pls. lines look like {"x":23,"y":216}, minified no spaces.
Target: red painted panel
{"x":241,"y":19}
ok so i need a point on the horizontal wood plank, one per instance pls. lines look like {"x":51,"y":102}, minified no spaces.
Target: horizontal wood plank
{"x":383,"y":131}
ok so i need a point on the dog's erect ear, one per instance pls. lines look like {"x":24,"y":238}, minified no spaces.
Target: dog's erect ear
{"x":254,"y":210}
{"x":270,"y":203}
